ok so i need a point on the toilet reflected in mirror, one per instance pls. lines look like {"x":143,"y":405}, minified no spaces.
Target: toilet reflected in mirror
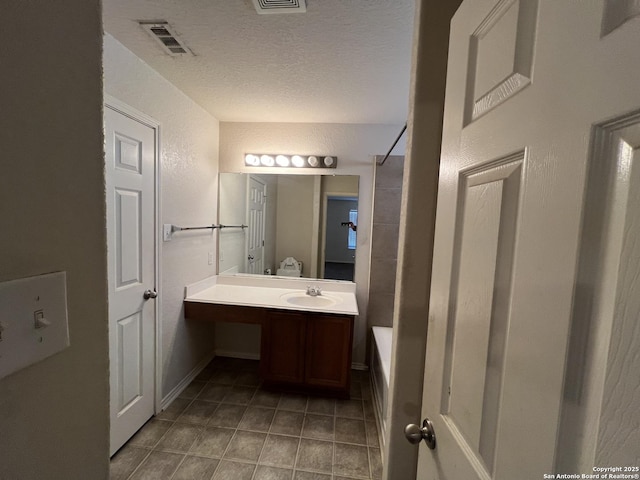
{"x":309,"y":218}
{"x":290,"y":267}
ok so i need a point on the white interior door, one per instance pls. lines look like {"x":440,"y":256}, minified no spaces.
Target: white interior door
{"x":255,"y":235}
{"x":130,"y":186}
{"x":542,"y":98}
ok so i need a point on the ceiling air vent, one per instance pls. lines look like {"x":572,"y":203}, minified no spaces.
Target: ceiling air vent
{"x":164,"y":34}
{"x":280,"y":6}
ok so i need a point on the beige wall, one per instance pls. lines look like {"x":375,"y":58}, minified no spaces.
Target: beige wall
{"x":189,"y":191}
{"x":295,"y":223}
{"x":346,"y":185}
{"x":54,"y":415}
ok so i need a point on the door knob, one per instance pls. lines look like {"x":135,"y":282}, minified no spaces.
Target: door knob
{"x":415,"y":434}
{"x":149,"y":294}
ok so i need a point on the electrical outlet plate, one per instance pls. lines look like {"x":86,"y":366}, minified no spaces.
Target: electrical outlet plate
{"x":33,"y":317}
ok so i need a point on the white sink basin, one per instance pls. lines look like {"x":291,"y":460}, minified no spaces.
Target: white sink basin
{"x":301,"y":299}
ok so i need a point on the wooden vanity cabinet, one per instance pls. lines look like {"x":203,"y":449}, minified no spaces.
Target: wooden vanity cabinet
{"x":307,"y":351}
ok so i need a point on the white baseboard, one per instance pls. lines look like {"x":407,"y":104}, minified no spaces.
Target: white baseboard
{"x":184,"y":383}
{"x":232,"y":354}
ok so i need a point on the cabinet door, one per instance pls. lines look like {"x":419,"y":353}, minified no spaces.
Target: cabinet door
{"x":328,"y":355}
{"x":282,"y":358}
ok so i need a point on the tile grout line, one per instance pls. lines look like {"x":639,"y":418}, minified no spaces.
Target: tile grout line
{"x":184,"y":457}
{"x":364,"y":417}
{"x":295,"y":460}
{"x":235,"y":431}
{"x":200,"y":434}
{"x":224,"y":452}
{"x":366,"y":434}
{"x":265,"y":438}
{"x":151,"y":448}
{"x":334,"y":453}
{"x":138,"y":466}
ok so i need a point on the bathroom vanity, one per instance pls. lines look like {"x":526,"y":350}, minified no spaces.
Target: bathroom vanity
{"x":307,"y":349}
{"x":305,"y":341}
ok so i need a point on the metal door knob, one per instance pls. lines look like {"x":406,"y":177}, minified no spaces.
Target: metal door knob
{"x":415,"y":434}
{"x":149,"y":294}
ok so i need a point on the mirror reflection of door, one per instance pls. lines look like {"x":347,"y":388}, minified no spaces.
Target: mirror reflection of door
{"x":340,"y":237}
{"x":256,"y":204}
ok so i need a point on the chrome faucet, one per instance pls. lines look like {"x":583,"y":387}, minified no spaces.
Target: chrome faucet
{"x":314,"y":291}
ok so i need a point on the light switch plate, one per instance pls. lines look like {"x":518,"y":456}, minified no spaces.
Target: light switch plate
{"x":33,"y":320}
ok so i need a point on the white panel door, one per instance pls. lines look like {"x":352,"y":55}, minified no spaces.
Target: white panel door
{"x":534,"y":91}
{"x":130,"y":186}
{"x":255,"y":232}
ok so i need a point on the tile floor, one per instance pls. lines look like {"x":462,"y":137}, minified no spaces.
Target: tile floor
{"x":225,"y":427}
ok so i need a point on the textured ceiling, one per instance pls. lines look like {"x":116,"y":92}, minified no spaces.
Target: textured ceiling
{"x":343,"y":61}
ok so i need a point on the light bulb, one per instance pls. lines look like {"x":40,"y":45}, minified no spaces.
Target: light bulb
{"x":297,"y":161}
{"x":313,"y":161}
{"x":328,"y":161}
{"x":252,"y":160}
{"x":282,"y":161}
{"x":267,"y":160}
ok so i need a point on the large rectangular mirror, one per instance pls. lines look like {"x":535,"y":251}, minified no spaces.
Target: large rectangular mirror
{"x":297,"y":225}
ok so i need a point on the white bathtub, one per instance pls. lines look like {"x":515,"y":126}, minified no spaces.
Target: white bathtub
{"x":380,"y":371}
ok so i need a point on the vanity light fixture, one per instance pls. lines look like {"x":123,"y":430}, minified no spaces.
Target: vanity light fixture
{"x":291,"y":161}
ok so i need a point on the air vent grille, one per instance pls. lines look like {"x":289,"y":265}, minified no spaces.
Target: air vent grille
{"x":166,"y":37}
{"x":280,"y":6}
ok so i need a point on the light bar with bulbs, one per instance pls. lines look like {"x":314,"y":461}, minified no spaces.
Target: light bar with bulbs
{"x":290,"y":161}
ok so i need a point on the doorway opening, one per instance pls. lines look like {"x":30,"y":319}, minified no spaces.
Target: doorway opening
{"x":340,"y":237}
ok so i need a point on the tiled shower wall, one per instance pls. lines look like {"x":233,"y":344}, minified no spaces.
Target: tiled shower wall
{"x":384,"y":240}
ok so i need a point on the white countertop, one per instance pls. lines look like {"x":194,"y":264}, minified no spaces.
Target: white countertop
{"x":275,"y":292}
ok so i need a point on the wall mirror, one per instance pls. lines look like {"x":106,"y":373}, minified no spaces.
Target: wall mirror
{"x":310,"y":218}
